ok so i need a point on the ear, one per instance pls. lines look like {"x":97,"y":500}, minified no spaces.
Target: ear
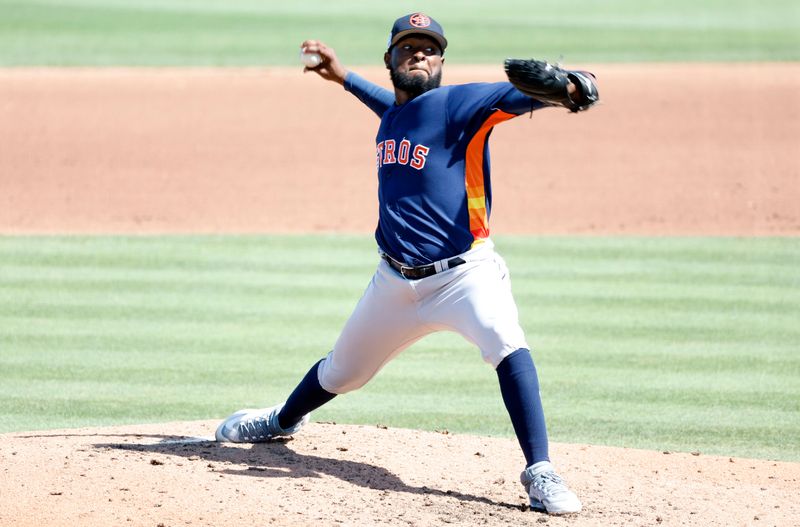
{"x":387,"y":60}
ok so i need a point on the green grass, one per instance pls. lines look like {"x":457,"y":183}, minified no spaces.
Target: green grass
{"x":255,"y":32}
{"x":679,"y":344}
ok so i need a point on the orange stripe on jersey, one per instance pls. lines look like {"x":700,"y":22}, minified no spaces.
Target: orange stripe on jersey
{"x":476,"y":191}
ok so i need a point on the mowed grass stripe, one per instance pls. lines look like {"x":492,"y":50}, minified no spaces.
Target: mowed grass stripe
{"x":639,"y":342}
{"x":89,"y":279}
{"x":249,"y":250}
{"x":214,"y":252}
{"x":697,"y":322}
{"x":41,"y":289}
{"x":678,"y":330}
{"x":568,"y":271}
{"x":209,"y":32}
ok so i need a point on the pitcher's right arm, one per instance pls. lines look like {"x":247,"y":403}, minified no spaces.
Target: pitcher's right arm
{"x":376,"y":98}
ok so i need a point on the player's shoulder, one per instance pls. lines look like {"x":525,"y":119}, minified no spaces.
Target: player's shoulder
{"x":478,"y":90}
{"x":479,"y":87}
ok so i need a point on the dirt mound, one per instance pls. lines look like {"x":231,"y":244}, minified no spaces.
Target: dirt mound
{"x":330,"y":474}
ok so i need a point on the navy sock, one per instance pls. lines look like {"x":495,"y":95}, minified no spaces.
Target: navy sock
{"x":309,"y":395}
{"x":520,"y":388}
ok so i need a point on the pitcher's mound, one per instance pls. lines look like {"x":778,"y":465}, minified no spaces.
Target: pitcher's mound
{"x":331,"y":474}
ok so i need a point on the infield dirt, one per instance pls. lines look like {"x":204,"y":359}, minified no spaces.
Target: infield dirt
{"x":225,"y":151}
{"x":151,"y":151}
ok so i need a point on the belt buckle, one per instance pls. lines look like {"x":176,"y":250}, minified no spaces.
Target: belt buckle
{"x":403,"y":269}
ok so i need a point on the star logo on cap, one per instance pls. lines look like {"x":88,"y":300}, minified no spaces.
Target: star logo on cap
{"x":419,"y":20}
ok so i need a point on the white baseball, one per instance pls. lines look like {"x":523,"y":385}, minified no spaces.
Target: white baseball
{"x":310,"y":60}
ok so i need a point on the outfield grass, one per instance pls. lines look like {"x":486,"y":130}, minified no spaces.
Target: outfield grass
{"x":255,"y":32}
{"x":679,"y":344}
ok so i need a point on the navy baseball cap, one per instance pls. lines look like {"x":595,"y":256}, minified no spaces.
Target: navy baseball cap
{"x":417,"y":23}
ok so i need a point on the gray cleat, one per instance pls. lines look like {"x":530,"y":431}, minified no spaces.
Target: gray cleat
{"x":256,"y":426}
{"x":547,"y":491}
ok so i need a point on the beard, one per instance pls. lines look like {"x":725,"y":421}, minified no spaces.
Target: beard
{"x":415,"y":85}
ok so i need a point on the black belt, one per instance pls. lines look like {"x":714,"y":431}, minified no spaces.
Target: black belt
{"x":423,"y":271}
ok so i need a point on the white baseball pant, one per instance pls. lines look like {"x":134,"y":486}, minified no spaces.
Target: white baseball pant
{"x":473,"y":299}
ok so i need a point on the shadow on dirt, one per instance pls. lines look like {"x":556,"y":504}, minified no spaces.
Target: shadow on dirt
{"x":276,"y":459}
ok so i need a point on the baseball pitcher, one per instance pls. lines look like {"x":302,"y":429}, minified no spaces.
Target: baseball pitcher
{"x":438,"y":269}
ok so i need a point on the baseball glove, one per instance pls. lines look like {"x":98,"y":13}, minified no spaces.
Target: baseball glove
{"x":548,"y":83}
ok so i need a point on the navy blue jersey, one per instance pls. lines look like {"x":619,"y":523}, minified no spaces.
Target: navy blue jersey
{"x":432,"y":155}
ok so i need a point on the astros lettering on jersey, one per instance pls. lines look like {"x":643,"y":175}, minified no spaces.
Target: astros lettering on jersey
{"x":385,"y":151}
{"x":432,"y":156}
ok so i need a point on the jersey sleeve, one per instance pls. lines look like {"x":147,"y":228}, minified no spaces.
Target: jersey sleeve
{"x":377,"y":98}
{"x":470,"y":101}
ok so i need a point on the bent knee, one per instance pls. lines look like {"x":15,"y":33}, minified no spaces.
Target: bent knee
{"x":341,"y":386}
{"x":494,"y":356}
{"x":339,"y":380}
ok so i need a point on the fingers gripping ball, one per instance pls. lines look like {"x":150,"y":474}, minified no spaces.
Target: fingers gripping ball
{"x":549,"y":83}
{"x":310,"y":60}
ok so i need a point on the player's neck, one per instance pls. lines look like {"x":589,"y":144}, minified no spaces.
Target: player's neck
{"x":401,"y":96}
